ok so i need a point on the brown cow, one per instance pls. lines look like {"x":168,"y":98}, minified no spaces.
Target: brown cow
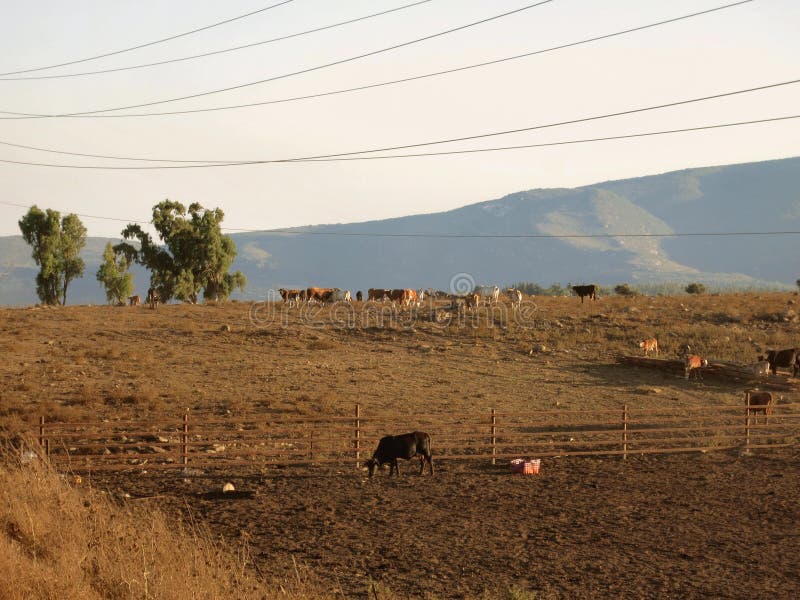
{"x":134,"y":300}
{"x":315,"y":293}
{"x":290,"y":296}
{"x":410,"y":297}
{"x":759,"y":402}
{"x":378,"y":294}
{"x":649,"y":345}
{"x":692,"y":362}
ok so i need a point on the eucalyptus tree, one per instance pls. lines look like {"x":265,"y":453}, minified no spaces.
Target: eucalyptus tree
{"x":56,"y":243}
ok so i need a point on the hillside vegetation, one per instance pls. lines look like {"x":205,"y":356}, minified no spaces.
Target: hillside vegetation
{"x":736,"y":198}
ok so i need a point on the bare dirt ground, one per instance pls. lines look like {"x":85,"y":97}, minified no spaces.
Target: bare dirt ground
{"x":716,"y":525}
{"x":688,"y":526}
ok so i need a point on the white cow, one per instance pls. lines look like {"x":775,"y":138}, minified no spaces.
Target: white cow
{"x":489,"y":293}
{"x":342,"y":296}
{"x":515,"y":296}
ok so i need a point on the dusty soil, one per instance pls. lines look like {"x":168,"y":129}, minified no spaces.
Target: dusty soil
{"x":685,"y":526}
{"x":680,"y":526}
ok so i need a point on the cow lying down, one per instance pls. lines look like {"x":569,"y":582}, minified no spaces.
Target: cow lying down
{"x":407,"y":446}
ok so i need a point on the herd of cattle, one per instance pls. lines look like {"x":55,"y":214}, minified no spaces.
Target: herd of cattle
{"x":785,"y":359}
{"x":757,"y":401}
{"x":418,"y":444}
{"x":403,"y":297}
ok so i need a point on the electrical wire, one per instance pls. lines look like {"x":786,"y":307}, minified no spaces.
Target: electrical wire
{"x":341,"y":157}
{"x":307,"y":70}
{"x":420,"y":144}
{"x":548,"y":144}
{"x":216,"y":52}
{"x":147,"y":44}
{"x":374,"y":85}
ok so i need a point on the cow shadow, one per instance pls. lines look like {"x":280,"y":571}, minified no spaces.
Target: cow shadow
{"x":628,"y":375}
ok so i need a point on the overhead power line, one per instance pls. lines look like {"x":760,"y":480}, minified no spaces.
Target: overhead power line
{"x":147,"y":44}
{"x":315,"y":68}
{"x":420,"y":144}
{"x":20,"y":115}
{"x":223,"y":51}
{"x":342,"y":157}
{"x":374,"y":234}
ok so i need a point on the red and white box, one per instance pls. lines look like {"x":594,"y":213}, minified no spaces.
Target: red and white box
{"x":526,"y":467}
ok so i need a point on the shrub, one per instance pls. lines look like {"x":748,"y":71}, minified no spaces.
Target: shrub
{"x":625,"y":290}
{"x":695,"y":288}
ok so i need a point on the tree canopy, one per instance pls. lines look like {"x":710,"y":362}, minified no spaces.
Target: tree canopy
{"x":114,"y":276}
{"x":56,"y":245}
{"x":193,"y":255}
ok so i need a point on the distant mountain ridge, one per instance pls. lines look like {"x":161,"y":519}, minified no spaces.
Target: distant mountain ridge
{"x":750,"y":197}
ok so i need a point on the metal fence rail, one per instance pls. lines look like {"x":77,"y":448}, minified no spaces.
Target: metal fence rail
{"x":208,"y":441}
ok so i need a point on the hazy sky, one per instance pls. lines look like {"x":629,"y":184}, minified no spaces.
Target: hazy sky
{"x":740,"y":47}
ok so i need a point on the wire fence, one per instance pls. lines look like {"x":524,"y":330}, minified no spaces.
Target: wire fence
{"x":205,"y":441}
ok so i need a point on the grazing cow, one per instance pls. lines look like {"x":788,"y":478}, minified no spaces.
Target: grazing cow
{"x":786,"y":359}
{"x":341,"y":296}
{"x":759,"y":402}
{"x":407,"y":446}
{"x":584,"y":291}
{"x":489,"y":293}
{"x":134,"y":300}
{"x":472,"y":301}
{"x":359,"y":296}
{"x":760,"y":369}
{"x":313,"y":294}
{"x":153,"y":298}
{"x":515,"y":296}
{"x":378,"y":294}
{"x":290,"y":296}
{"x":693,"y":363}
{"x":410,"y":297}
{"x":649,"y":345}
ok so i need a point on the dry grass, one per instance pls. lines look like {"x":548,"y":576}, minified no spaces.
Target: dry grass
{"x":61,"y":540}
{"x":91,"y":363}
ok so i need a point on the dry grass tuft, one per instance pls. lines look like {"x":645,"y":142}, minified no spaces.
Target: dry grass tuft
{"x":61,"y":540}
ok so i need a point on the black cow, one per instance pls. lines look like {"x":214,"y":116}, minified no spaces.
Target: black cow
{"x":585,"y":290}
{"x":786,"y":359}
{"x":359,"y":296}
{"x":407,"y":446}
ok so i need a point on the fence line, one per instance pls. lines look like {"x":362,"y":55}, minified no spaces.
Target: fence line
{"x":267,"y":441}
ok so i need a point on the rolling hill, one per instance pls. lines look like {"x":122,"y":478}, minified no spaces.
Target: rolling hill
{"x":751,"y":197}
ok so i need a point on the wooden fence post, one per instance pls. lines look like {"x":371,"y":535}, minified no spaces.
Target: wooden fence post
{"x":747,"y":420}
{"x":185,"y":440}
{"x":358,"y":436}
{"x":41,"y":431}
{"x":625,"y":432}
{"x":494,"y":437}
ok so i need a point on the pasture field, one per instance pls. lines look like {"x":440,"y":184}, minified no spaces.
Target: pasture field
{"x":696,"y":525}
